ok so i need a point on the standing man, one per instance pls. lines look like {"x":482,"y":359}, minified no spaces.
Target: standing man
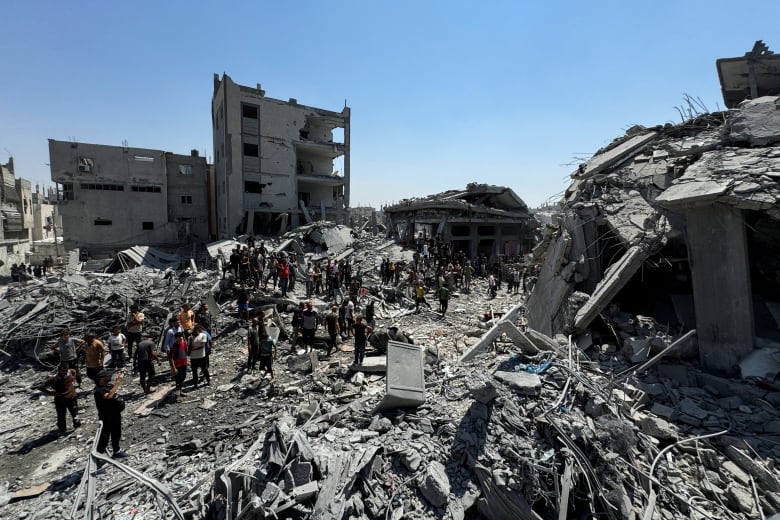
{"x":109,"y":408}
{"x":361,"y":336}
{"x":116,"y":344}
{"x":198,"y":344}
{"x":268,"y":353}
{"x":204,"y":318}
{"x":186,"y":319}
{"x":134,"y":325}
{"x":145,"y":353}
{"x":332,"y":325}
{"x":62,"y":387}
{"x":253,"y":344}
{"x":94,"y":358}
{"x":178,"y":361}
{"x":309,"y":325}
{"x":243,"y":303}
{"x":67,"y":348}
{"x":444,"y":299}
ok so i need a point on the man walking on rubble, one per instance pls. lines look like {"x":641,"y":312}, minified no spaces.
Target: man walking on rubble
{"x":253,"y":345}
{"x":109,"y":407}
{"x":67,"y":348}
{"x":198,"y":356}
{"x":145,"y":354}
{"x":177,"y":358}
{"x":309,"y":325}
{"x":444,"y":299}
{"x":267,"y":354}
{"x":116,"y":345}
{"x":362,"y":331}
{"x":62,"y":387}
{"x":332,"y":325}
{"x":134,"y":325}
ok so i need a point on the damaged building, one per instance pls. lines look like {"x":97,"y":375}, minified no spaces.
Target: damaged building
{"x":679,"y":223}
{"x":112,"y":197}
{"x":480,"y":220}
{"x":274,"y":161}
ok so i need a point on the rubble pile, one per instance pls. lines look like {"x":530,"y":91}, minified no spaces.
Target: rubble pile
{"x":515,"y":420}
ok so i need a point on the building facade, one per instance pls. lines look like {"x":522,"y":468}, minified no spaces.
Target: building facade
{"x":114,"y":197}
{"x":274,"y":161}
{"x":16,"y":217}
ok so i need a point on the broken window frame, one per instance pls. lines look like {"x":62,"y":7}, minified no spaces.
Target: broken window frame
{"x":185,"y":169}
{"x":86,"y":164}
{"x":251,"y":150}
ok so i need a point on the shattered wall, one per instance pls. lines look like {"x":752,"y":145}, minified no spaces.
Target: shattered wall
{"x":644,"y":226}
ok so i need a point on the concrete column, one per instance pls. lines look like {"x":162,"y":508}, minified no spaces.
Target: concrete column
{"x":723,"y":299}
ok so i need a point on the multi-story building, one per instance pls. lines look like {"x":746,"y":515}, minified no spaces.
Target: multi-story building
{"x":114,"y":197}
{"x":274,"y":161}
{"x":16,"y":214}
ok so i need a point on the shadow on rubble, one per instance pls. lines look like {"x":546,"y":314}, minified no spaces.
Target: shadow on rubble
{"x":32,"y":444}
{"x":468,"y":443}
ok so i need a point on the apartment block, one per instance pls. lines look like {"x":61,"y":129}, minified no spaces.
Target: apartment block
{"x":274,"y":161}
{"x":114,"y":197}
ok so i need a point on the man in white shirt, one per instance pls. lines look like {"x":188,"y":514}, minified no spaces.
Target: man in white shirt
{"x":198,"y":358}
{"x":116,"y":343}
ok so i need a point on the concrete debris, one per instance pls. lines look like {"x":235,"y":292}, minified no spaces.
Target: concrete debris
{"x":594,"y":395}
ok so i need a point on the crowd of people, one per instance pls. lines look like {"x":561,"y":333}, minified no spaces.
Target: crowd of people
{"x":187,"y":341}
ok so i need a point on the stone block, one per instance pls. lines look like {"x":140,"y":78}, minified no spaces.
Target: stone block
{"x":637,"y":349}
{"x":522,"y":382}
{"x":481,"y":388}
{"x":663,"y":411}
{"x":435,"y":485}
{"x":689,"y":407}
{"x":658,"y":428}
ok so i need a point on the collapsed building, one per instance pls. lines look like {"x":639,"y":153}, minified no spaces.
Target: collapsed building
{"x":677,"y":222}
{"x":480,"y":220}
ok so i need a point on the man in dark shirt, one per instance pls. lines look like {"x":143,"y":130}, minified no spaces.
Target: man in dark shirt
{"x":109,"y":408}
{"x":253,"y":344}
{"x":361,"y":335}
{"x":146,"y":353}
{"x":332,"y":325}
{"x":243,"y":303}
{"x":61,"y":386}
{"x":309,"y":325}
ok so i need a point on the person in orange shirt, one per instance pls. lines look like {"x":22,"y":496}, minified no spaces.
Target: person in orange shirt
{"x":186,"y":319}
{"x":94,"y":354}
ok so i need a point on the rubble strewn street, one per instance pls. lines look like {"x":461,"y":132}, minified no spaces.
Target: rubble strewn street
{"x":523,"y":425}
{"x":615,"y":357}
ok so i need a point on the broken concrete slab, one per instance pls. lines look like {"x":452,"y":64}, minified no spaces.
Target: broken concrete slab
{"x":405,"y":383}
{"x":435,"y":485}
{"x":522,"y":382}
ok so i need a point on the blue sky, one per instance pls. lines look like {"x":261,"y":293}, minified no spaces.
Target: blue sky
{"x":442,"y":93}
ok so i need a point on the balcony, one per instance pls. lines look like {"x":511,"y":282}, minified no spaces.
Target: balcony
{"x":327,"y":149}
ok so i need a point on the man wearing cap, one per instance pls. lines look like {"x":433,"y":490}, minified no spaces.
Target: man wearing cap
{"x":109,"y":408}
{"x":62,"y":387}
